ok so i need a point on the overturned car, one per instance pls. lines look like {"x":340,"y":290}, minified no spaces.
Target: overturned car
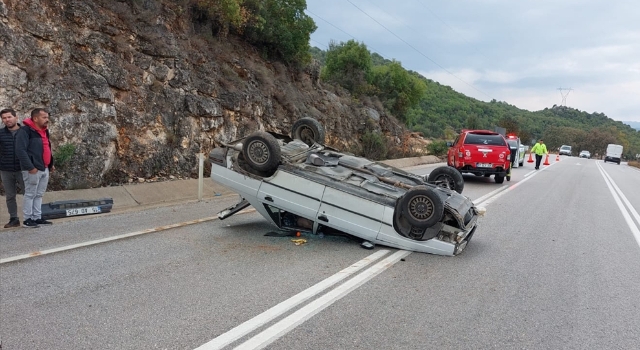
{"x":297,"y":175}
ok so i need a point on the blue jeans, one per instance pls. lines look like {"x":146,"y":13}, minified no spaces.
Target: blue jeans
{"x":34,"y":187}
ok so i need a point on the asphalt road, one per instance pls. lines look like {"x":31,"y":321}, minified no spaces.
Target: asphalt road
{"x":553,"y":265}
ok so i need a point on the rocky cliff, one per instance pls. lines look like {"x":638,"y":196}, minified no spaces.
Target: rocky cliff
{"x":141,"y":86}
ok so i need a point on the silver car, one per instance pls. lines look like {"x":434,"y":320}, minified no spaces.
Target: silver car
{"x":286,"y":177}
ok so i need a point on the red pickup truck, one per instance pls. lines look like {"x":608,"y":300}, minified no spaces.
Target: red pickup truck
{"x":481,"y":152}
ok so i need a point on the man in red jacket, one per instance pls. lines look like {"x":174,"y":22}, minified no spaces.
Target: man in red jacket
{"x":33,"y":149}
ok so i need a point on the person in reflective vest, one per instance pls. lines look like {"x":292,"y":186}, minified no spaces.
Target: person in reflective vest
{"x":539,"y":149}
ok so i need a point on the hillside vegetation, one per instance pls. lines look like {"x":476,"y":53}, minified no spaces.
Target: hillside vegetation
{"x":439,"y":112}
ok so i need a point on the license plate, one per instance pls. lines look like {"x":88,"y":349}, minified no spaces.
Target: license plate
{"x":83,"y":211}
{"x":484,"y":165}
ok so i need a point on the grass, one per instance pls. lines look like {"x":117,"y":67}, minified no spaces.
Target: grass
{"x":634,"y":163}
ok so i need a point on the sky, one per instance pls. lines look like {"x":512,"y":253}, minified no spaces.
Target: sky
{"x":519,"y":52}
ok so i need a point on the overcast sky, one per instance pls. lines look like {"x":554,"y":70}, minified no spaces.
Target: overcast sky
{"x":519,"y":52}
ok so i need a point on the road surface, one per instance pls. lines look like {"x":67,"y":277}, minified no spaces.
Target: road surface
{"x":555,"y":264}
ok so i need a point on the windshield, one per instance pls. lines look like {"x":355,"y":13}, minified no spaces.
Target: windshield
{"x":479,"y":139}
{"x":566,"y":147}
{"x":513,"y":143}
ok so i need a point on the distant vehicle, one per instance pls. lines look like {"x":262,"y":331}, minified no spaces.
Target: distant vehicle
{"x":585,"y":154}
{"x":517,"y":151}
{"x":481,"y":152}
{"x":614,"y":153}
{"x":565,"y":150}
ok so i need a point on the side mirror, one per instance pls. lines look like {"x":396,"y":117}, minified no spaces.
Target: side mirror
{"x":449,"y":143}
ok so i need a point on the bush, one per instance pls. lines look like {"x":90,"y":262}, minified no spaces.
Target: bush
{"x":349,"y":65}
{"x":63,"y":154}
{"x":373,"y":146}
{"x":438,"y":148}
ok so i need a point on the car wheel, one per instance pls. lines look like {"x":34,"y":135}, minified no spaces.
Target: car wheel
{"x":422,"y":207}
{"x":499,"y":179}
{"x":262,"y":151}
{"x":447,"y":177}
{"x":308,"y":130}
{"x":522,"y":164}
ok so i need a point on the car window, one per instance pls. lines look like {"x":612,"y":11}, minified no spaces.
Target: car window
{"x":513,"y":143}
{"x":480,"y":139}
{"x":565,"y":147}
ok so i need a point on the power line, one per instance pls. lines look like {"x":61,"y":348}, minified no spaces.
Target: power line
{"x":353,"y":37}
{"x":418,"y":51}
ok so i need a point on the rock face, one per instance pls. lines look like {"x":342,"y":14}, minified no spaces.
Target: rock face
{"x":140,"y":88}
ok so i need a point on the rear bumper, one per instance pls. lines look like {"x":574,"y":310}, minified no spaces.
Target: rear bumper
{"x":500,"y":171}
{"x":611,"y":159}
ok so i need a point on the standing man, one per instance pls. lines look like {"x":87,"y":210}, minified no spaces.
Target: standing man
{"x":33,"y":148}
{"x":9,"y":164}
{"x":539,"y":149}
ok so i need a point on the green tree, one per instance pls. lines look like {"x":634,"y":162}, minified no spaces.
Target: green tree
{"x":224,"y":13}
{"x":397,"y":89}
{"x":281,"y":28}
{"x":349,"y":65}
{"x":472,"y":122}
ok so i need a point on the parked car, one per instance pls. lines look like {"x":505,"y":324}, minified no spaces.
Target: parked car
{"x":585,"y":154}
{"x":280,"y":175}
{"x":565,"y":150}
{"x":481,"y":152}
{"x":517,"y":149}
{"x":523,"y":152}
{"x":613,"y":154}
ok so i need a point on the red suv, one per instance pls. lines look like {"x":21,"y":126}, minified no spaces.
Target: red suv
{"x":481,"y":152}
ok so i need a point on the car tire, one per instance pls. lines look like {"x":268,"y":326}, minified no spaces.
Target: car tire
{"x":447,"y":177}
{"x":261,"y":151}
{"x":422,"y":207}
{"x":308,"y":130}
{"x":499,"y":179}
{"x":521,"y":164}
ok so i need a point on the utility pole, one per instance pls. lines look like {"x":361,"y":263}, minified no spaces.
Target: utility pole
{"x":564,"y":95}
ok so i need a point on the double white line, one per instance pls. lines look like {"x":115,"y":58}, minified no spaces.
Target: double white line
{"x":285,"y":325}
{"x":620,"y":198}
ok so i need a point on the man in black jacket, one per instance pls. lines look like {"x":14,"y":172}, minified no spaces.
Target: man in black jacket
{"x":9,"y":164}
{"x":33,"y":148}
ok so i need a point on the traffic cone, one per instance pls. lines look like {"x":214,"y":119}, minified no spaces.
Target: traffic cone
{"x":558,"y":157}
{"x":530,"y":158}
{"x":546,"y":160}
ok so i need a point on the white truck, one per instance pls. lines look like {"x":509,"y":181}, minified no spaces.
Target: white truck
{"x":614,"y":153}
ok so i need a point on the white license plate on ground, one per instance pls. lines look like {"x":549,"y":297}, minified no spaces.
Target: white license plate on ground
{"x":83,"y":211}
{"x":484,"y":165}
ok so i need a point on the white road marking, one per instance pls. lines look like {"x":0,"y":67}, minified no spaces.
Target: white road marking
{"x":619,"y":197}
{"x":281,"y":328}
{"x":260,"y":320}
{"x":109,"y":239}
{"x":478,"y":200}
{"x":487,"y":201}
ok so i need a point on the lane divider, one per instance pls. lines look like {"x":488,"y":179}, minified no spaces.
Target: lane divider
{"x":493,"y":197}
{"x":290,"y":322}
{"x":109,"y":239}
{"x":619,"y":198}
{"x":245,"y":328}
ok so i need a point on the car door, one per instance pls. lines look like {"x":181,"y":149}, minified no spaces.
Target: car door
{"x":350,"y":213}
{"x":292,"y":193}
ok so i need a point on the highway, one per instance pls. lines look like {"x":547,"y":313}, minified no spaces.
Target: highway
{"x":554,"y":264}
